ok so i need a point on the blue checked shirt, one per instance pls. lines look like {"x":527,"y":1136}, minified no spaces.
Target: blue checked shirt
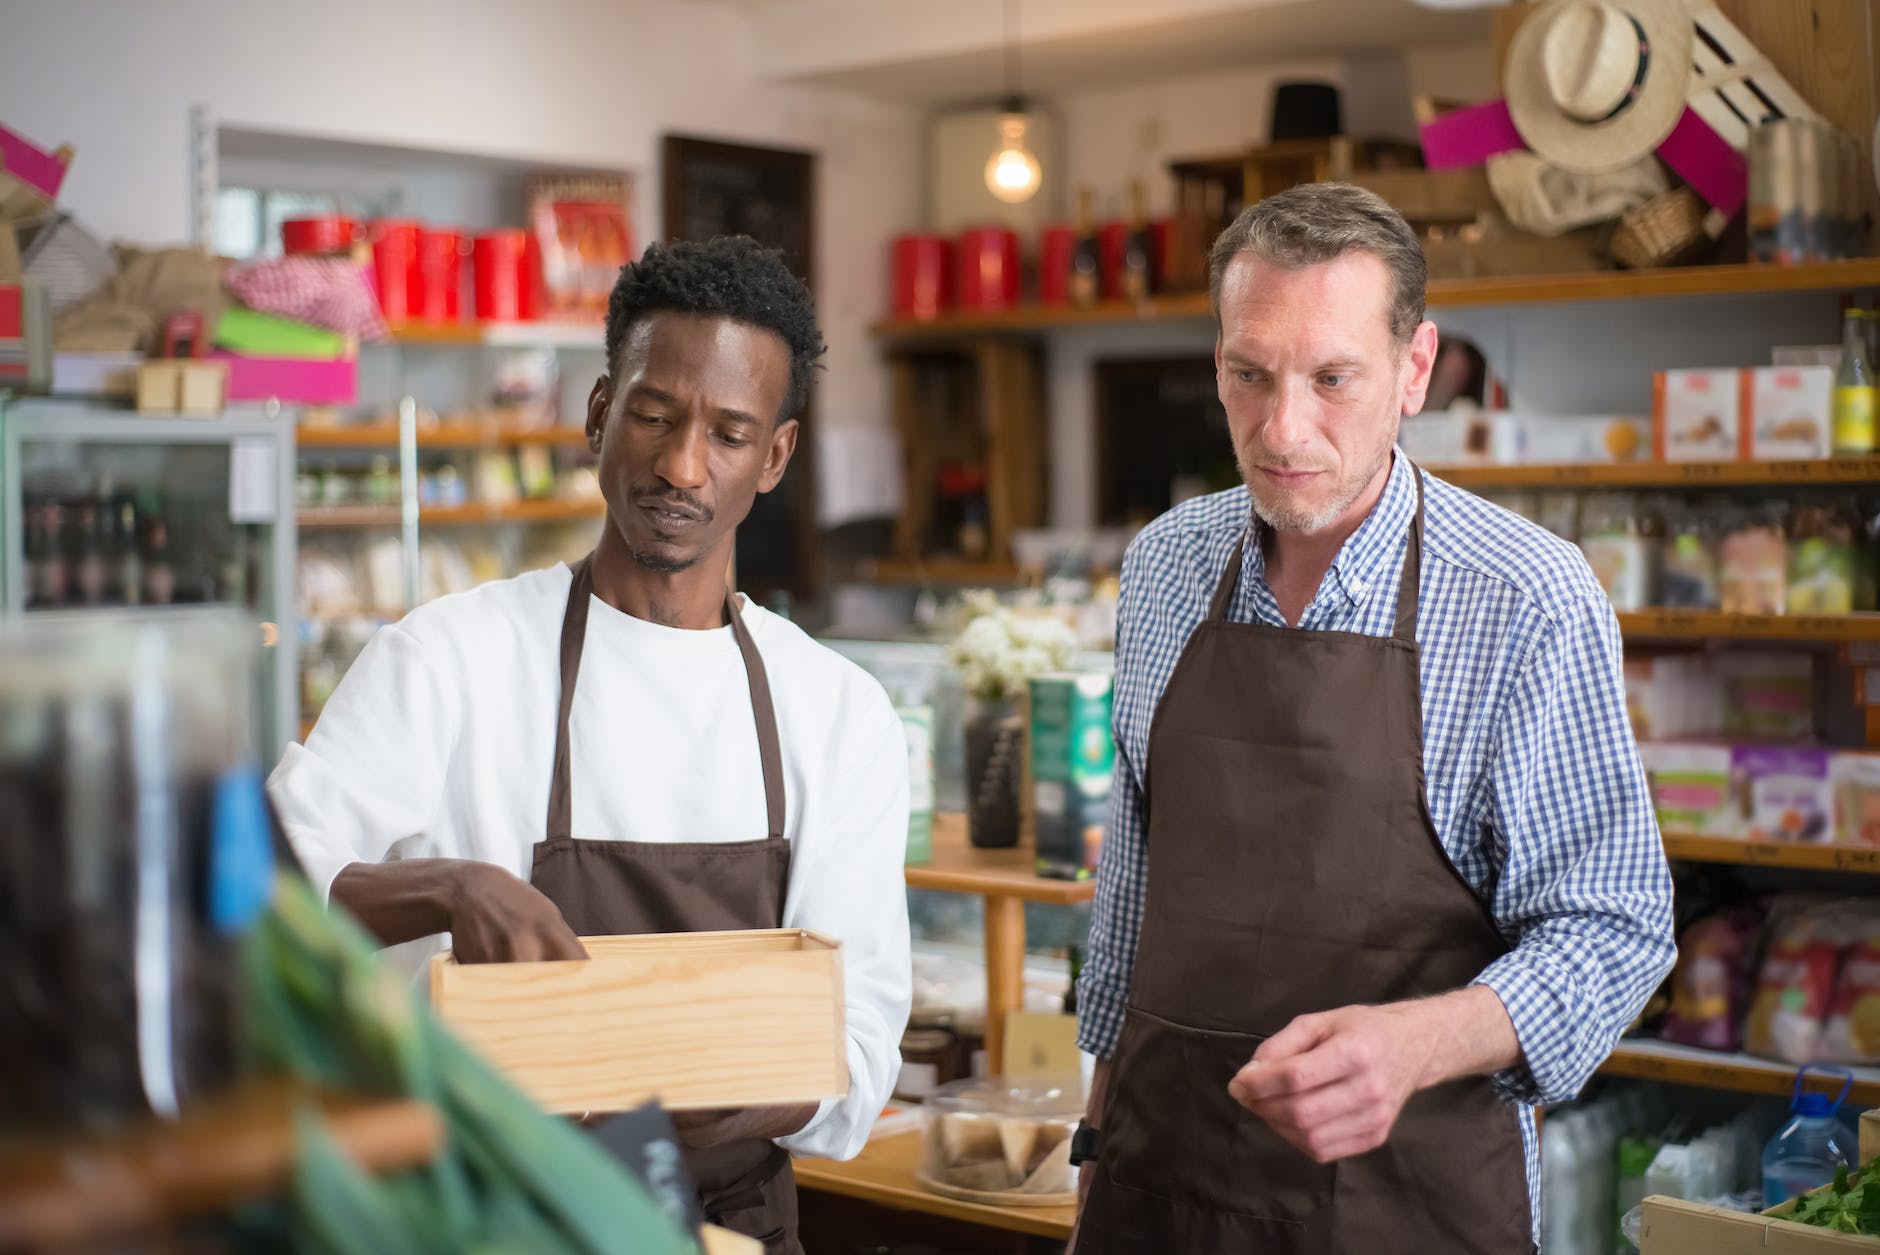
{"x":1534,"y":780}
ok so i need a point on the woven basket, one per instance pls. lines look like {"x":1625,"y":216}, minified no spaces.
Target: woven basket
{"x":1660,"y":231}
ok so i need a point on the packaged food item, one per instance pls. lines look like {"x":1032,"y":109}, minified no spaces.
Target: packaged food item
{"x":1711,"y":986}
{"x":1613,"y":538}
{"x":997,"y":1136}
{"x":1689,"y":574}
{"x":1856,"y":798}
{"x":1788,"y":411}
{"x":1754,"y":564}
{"x":1786,"y":790}
{"x":1578,"y":438}
{"x":1073,"y":759}
{"x":1821,"y":561}
{"x":1697,"y":415}
{"x":1793,"y":991}
{"x":1767,"y":696}
{"x":1691,"y":789}
{"x":1852,"y":1032}
{"x":917,"y":723}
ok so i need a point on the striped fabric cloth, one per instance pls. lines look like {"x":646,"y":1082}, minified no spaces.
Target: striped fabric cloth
{"x":1534,"y":780}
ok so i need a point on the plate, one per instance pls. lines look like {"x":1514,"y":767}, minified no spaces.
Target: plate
{"x":995,"y":1198}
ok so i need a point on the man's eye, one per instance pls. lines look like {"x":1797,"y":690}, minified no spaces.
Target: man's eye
{"x":650,"y":418}
{"x":1247,"y":376}
{"x":1334,"y":381}
{"x":734,"y":442}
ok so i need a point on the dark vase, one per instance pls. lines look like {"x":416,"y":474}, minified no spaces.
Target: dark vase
{"x":995,"y":750}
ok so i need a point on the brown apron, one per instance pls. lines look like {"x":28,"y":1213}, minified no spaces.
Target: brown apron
{"x":613,"y":887}
{"x":1294,"y":868}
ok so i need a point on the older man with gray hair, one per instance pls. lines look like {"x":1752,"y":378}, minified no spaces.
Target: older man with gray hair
{"x":1382,"y":871}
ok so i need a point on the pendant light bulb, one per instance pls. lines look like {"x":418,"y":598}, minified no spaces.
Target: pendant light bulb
{"x":1012,"y":173}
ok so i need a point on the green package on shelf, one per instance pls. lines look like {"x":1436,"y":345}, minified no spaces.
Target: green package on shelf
{"x":254,"y":334}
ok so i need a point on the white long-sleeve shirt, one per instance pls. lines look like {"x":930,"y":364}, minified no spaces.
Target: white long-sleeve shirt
{"x":439,"y":743}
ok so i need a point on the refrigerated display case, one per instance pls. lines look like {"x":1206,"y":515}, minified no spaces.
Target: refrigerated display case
{"x":116,"y":512}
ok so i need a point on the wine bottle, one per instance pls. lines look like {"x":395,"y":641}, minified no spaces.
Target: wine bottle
{"x":1136,"y":248}
{"x":1087,"y":256}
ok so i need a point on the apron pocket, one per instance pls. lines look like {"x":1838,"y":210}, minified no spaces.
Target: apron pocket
{"x":1171,"y":1129}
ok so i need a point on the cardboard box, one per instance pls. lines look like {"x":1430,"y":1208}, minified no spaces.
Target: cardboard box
{"x":182,"y":386}
{"x":1691,"y":789}
{"x":1072,"y":760}
{"x":1787,"y":792}
{"x":1786,"y":411}
{"x":696,"y":1020}
{"x":1672,"y":1226}
{"x":1697,"y":416}
{"x":1856,"y":798}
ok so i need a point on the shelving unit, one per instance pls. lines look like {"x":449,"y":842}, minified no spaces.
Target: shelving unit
{"x":1824,"y":472}
{"x":1604,"y":285}
{"x":1683,"y":625}
{"x":1861,"y":859}
{"x":941,"y":571}
{"x":1646,"y":1060}
{"x":560,"y":335}
{"x":1006,"y":879}
{"x":457,"y":432}
{"x":86,"y":1190}
{"x":551,"y":511}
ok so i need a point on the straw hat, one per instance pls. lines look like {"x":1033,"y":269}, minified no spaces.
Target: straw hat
{"x":1594,"y":85}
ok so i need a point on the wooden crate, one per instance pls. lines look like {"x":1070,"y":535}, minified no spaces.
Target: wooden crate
{"x":1675,"y":1227}
{"x":697,"y":1020}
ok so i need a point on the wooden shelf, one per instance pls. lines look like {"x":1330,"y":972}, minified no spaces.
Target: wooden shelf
{"x":958,"y":867}
{"x":348,"y":516}
{"x":1828,"y":471}
{"x":884,"y":1174}
{"x":1601,"y":285}
{"x":1709,"y":1069}
{"x":454,"y":433}
{"x":941,"y":571}
{"x":560,"y":335}
{"x":553,"y":511}
{"x":1794,"y":854}
{"x":85,"y":1189}
{"x":1679,"y":625}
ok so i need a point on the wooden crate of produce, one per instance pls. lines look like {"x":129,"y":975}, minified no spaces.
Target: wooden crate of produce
{"x":697,"y":1020}
{"x":1674,"y":1227}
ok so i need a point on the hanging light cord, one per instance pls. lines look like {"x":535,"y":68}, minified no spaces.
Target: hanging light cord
{"x":1013,"y":103}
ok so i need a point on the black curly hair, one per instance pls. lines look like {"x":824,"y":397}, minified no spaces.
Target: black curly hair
{"x":732,"y":276}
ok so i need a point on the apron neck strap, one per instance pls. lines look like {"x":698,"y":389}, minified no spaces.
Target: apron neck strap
{"x":1410,"y":581}
{"x":574,"y":638}
{"x":1407,"y":583}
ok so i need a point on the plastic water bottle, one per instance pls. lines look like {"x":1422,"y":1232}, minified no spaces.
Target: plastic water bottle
{"x":1803,"y":1155}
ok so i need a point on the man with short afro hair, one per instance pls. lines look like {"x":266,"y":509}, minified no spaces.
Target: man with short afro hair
{"x":621,"y":745}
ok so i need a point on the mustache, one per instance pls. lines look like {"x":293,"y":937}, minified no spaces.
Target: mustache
{"x":678,"y":501}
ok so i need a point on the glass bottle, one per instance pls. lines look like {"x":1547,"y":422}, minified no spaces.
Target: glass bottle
{"x":1087,"y":256}
{"x":1851,"y":421}
{"x":1136,"y":248}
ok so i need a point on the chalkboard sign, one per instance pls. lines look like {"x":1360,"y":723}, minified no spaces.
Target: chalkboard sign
{"x":711,"y":189}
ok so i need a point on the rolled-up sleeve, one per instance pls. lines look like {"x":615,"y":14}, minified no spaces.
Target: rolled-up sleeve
{"x":1584,"y":894}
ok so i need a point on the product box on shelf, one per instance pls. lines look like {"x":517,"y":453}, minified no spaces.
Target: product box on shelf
{"x":1786,"y":411}
{"x":1073,"y":760}
{"x":1767,"y":696}
{"x":1696,"y":416}
{"x":1856,"y":798}
{"x":1691,"y":788}
{"x":1578,"y":438}
{"x":660,"y":1015}
{"x":1787,"y":792}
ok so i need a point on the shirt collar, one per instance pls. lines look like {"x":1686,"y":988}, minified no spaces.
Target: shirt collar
{"x":1370,"y":558}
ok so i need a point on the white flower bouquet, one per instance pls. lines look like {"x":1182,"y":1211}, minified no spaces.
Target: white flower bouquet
{"x":1000,"y":650}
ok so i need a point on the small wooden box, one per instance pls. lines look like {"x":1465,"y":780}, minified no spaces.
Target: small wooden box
{"x":182,"y":386}
{"x":696,"y":1020}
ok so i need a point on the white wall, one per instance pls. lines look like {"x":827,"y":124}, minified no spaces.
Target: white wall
{"x":576,"y":82}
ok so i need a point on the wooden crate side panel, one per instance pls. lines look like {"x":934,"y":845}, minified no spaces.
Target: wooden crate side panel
{"x":609,"y":1033}
{"x":1675,"y":1227}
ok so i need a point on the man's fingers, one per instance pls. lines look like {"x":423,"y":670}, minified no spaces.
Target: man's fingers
{"x":1324,"y":1106}
{"x":1267,"y":1077}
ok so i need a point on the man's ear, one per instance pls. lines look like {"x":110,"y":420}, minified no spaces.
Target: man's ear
{"x":1420,"y":358}
{"x":782,"y":447}
{"x":598,"y":402}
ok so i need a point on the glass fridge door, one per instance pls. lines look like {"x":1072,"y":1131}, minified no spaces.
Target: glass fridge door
{"x":106,"y":511}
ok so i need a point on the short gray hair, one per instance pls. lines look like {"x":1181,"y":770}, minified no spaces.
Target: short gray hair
{"x":1317,"y":222}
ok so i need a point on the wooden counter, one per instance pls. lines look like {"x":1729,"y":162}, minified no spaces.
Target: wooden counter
{"x":883,"y":1174}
